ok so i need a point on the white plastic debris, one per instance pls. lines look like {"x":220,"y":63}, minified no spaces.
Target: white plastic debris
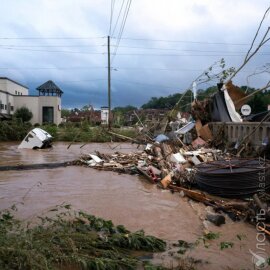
{"x":195,"y":160}
{"x":96,"y":158}
{"x":186,"y":128}
{"x":178,"y":158}
{"x":148,"y":146}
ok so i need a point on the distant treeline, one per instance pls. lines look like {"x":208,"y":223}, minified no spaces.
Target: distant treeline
{"x":258,"y":102}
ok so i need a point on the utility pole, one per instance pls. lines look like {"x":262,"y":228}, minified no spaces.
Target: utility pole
{"x":109,"y":84}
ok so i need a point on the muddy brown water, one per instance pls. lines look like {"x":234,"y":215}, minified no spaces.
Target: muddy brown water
{"x":125,"y":199}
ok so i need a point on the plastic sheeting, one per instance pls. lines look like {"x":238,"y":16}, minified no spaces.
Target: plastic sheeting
{"x":219,"y":109}
{"x":223,"y":109}
{"x":234,"y":115}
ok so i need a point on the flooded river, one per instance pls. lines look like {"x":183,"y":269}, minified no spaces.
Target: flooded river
{"x":124,"y":199}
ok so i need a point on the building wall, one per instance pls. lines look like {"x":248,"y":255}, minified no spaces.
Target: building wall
{"x":12,"y":87}
{"x":104,"y":115}
{"x":14,"y":96}
{"x":36,"y":103}
{"x":6,"y":103}
{"x":30,"y":102}
{"x":50,"y":101}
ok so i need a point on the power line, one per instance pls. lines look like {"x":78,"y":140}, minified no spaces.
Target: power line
{"x":214,"y":55}
{"x":124,"y":38}
{"x":50,"y":46}
{"x":187,"y":55}
{"x":187,"y":41}
{"x":60,"y":38}
{"x":127,"y":54}
{"x":178,"y":50}
{"x":147,"y":84}
{"x":133,"y":47}
{"x":33,"y":50}
{"x":113,"y":68}
{"x":59,"y":68}
{"x":118,"y":17}
{"x":111,"y":17}
{"x":122,"y":27}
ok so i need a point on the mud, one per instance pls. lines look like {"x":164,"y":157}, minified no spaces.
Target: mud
{"x":125,"y":199}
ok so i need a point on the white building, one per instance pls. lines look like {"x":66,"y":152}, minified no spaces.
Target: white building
{"x":104,"y":115}
{"x":46,"y":107}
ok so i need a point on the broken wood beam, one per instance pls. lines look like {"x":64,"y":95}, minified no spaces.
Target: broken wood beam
{"x":124,"y":137}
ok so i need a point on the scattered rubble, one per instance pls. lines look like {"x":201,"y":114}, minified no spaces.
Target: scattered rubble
{"x":185,"y":158}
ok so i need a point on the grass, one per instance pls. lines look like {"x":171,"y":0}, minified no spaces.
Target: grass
{"x":94,"y":134}
{"x":75,"y":239}
{"x":16,"y":130}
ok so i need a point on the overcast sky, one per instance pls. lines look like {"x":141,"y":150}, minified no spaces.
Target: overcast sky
{"x":165,"y":45}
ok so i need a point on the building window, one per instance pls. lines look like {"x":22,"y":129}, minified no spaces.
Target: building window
{"x":16,"y":92}
{"x":47,"y":114}
{"x":5,"y":106}
{"x":12,"y":108}
{"x":2,"y":106}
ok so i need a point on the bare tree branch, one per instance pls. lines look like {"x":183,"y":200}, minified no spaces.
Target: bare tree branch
{"x":258,"y":30}
{"x":263,"y":41}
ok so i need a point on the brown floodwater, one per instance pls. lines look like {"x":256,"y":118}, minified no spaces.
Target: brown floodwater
{"x":125,"y":199}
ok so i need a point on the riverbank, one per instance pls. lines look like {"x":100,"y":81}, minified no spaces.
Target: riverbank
{"x":71,"y":132}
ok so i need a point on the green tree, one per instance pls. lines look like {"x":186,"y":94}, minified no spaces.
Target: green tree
{"x":24,"y":114}
{"x":65,"y":112}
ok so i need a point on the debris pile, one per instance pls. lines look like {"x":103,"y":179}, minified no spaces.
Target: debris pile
{"x":186,"y":159}
{"x":160,"y":163}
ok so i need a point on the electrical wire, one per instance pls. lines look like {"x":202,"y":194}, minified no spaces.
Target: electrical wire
{"x":122,"y":28}
{"x":118,"y":17}
{"x":128,"y":54}
{"x":147,"y":84}
{"x":46,"y":68}
{"x":36,"y":50}
{"x":132,"y":47}
{"x":41,"y":38}
{"x":111,"y":17}
{"x":187,"y":41}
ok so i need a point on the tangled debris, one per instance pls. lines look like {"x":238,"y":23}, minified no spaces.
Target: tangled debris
{"x":187,"y":160}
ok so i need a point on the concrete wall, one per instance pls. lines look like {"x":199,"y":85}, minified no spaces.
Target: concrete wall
{"x":30,"y":102}
{"x":50,"y":101}
{"x":237,"y":131}
{"x":36,"y":103}
{"x":7,"y":102}
{"x":12,"y":87}
{"x":14,"y":96}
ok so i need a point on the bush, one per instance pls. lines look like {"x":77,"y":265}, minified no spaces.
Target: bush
{"x":14,"y":130}
{"x":51,"y":129}
{"x":24,"y":114}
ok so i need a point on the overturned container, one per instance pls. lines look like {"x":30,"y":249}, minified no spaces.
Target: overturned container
{"x":37,"y":138}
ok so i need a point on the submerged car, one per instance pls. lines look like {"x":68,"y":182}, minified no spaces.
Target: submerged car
{"x":37,"y":138}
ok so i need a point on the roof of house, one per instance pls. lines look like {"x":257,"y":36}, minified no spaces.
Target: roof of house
{"x":6,"y":78}
{"x":50,"y":86}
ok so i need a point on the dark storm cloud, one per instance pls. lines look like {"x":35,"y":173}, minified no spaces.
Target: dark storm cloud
{"x":79,"y":66}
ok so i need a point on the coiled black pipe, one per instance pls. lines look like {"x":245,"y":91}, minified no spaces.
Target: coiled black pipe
{"x":234,"y":177}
